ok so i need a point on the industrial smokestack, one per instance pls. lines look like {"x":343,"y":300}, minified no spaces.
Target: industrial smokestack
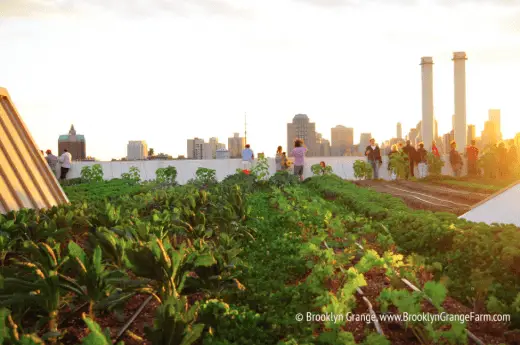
{"x":427,"y":102}
{"x":459,"y":128}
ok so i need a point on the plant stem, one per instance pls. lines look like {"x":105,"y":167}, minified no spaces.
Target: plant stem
{"x":53,"y":325}
{"x":91,"y":310}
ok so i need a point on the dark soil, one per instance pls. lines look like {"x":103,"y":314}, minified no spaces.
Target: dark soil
{"x":76,"y":329}
{"x":426,"y":196}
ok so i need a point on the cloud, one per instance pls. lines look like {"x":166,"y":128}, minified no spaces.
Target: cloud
{"x":141,"y":8}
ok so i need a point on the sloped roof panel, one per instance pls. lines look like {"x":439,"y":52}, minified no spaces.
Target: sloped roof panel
{"x":501,"y":207}
{"x":26,"y":180}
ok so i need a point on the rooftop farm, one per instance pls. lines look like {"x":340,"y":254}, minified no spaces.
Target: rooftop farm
{"x":237,"y":262}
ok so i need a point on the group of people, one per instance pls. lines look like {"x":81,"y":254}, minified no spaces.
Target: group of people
{"x":504,"y":160}
{"x":415,"y":157}
{"x":65,"y":160}
{"x":281,"y":160}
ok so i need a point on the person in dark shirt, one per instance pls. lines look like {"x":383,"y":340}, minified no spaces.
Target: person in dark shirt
{"x":410,"y":151}
{"x":455,"y":160}
{"x":373,"y":154}
{"x":423,"y":161}
{"x":472,"y":155}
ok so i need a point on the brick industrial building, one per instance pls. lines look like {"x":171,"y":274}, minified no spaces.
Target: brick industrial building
{"x":74,"y":143}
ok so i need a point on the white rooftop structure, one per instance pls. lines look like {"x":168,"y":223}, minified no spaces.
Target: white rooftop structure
{"x":501,"y":207}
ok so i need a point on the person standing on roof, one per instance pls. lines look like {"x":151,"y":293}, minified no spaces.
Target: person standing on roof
{"x":472,"y":155}
{"x":435,"y":150}
{"x":373,"y":154}
{"x":278,"y":159}
{"x":410,"y":152}
{"x":455,"y":160}
{"x":247,"y":158}
{"x":299,"y":152}
{"x":65,"y":160}
{"x":422,"y":154}
{"x":52,"y":160}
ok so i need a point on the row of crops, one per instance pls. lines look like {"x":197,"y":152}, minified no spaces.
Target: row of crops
{"x":236,"y":262}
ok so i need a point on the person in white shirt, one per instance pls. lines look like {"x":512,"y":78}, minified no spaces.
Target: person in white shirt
{"x":65,"y":160}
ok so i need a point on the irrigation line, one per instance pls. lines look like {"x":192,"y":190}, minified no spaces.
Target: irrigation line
{"x":367,"y":302}
{"x":415,"y":288}
{"x":429,"y":196}
{"x":132,"y":319}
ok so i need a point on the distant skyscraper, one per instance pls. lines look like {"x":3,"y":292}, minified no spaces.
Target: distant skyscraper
{"x":435,"y":130}
{"x":136,"y":150}
{"x":364,"y":141}
{"x":399,"y":131}
{"x":472,"y":134}
{"x":74,"y":143}
{"x":302,"y":128}
{"x":235,"y":145}
{"x":494,"y":116}
{"x":446,"y":140}
{"x":323,"y":146}
{"x":195,"y":148}
{"x":342,"y":140}
{"x":489,"y":134}
{"x":412,"y":135}
{"x":210,"y":149}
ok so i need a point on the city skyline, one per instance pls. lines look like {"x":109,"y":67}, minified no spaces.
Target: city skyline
{"x":197,"y":71}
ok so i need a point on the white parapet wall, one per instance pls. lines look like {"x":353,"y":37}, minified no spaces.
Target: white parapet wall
{"x":341,"y":166}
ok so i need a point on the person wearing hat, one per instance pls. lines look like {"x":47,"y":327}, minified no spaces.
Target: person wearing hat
{"x":52,"y":160}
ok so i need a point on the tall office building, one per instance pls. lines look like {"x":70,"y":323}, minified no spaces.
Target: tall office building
{"x":342,"y":140}
{"x":446,"y":142}
{"x":74,"y":143}
{"x":364,"y":141}
{"x":472,"y":134}
{"x":136,"y":150}
{"x":235,"y":145}
{"x":302,"y":128}
{"x":210,"y":149}
{"x":494,"y":116}
{"x":399,"y":131}
{"x":195,"y":148}
{"x":489,"y":134}
{"x":412,"y":135}
{"x":323,"y":146}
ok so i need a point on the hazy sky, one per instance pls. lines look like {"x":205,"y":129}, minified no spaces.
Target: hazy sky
{"x":168,"y":70}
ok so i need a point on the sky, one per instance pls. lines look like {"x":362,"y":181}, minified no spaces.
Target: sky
{"x":168,"y":70}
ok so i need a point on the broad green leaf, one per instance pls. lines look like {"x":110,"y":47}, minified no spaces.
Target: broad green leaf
{"x":436,"y":291}
{"x":76,"y":251}
{"x":205,"y":260}
{"x":193,"y":334}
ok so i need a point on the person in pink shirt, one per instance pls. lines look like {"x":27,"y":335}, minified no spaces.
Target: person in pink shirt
{"x":299,"y":153}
